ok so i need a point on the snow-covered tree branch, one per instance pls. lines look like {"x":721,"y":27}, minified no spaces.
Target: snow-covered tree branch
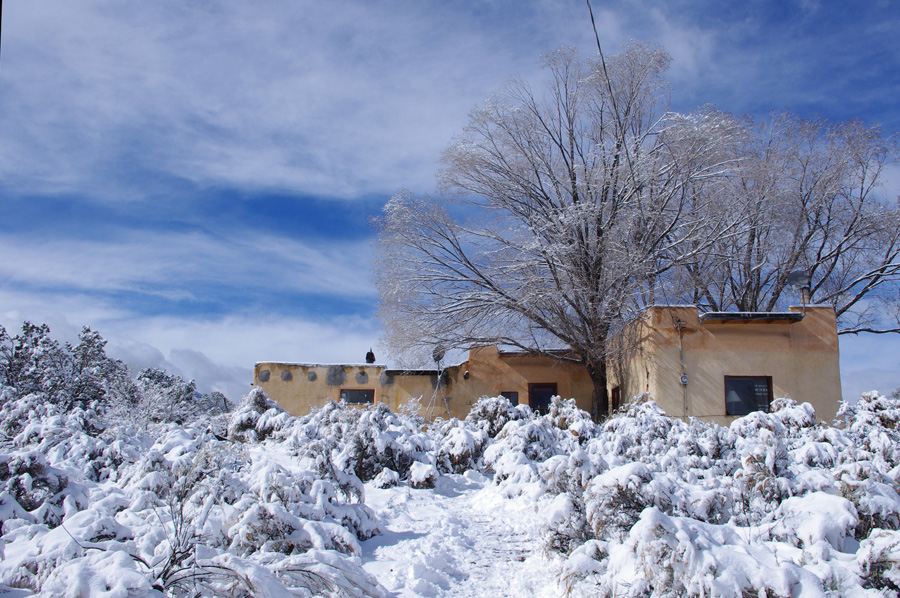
{"x":578,"y":201}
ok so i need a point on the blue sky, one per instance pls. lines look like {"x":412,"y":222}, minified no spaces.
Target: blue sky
{"x":194,"y":180}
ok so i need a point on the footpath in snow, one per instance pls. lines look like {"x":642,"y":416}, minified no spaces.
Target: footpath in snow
{"x":462,"y":538}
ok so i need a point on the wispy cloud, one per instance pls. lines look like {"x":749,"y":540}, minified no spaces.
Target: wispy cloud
{"x":204,"y":137}
{"x":181,"y":266}
{"x":217,"y":352}
{"x":272,"y":95}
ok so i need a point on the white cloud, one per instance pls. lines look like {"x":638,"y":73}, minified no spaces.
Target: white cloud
{"x":869,"y":362}
{"x":129,"y":100}
{"x":172,"y":264}
{"x":219,"y":353}
{"x":301,"y":96}
{"x":279,"y":95}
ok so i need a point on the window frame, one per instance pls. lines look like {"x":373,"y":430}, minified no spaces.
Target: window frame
{"x":531,"y":389}
{"x":511,"y":395}
{"x":754,"y":379}
{"x":370,"y":396}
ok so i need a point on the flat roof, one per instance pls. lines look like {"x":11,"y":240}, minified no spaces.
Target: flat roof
{"x":322,"y":365}
{"x":408,"y":372}
{"x":749,"y":317}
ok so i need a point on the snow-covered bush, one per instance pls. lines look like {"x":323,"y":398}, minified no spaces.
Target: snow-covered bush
{"x":520,"y":447}
{"x":423,"y":475}
{"x":490,"y":414}
{"x":873,"y":423}
{"x":169,"y":510}
{"x":772,"y":503}
{"x":35,"y":486}
{"x":566,"y":415}
{"x":460,"y":446}
{"x":256,"y":418}
{"x":388,"y":478}
{"x":363,"y":441}
{"x":642,"y":505}
{"x":879,"y":561}
{"x":34,"y":363}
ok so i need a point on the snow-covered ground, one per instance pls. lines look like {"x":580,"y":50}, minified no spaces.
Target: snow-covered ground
{"x":507,"y":503}
{"x":462,"y":538}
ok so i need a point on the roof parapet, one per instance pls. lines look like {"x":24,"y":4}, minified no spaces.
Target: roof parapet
{"x":748,"y":317}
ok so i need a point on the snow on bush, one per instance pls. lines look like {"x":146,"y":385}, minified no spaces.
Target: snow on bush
{"x":362,"y":442}
{"x":188,"y":513}
{"x":490,"y":414}
{"x":460,"y":446}
{"x":112,"y":486}
{"x":773,"y":505}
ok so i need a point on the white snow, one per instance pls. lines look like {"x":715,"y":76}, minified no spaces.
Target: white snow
{"x":463,"y":538}
{"x":507,"y":503}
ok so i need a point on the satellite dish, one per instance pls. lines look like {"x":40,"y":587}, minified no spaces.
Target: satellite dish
{"x":438,"y":354}
{"x":798,"y":279}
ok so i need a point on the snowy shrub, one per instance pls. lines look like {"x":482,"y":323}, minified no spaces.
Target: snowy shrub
{"x":460,"y":446}
{"x":364,"y":441}
{"x":879,"y":561}
{"x":179,"y":512}
{"x":614,"y":500}
{"x":519,"y":447}
{"x":806,"y":520}
{"x":642,"y":432}
{"x":34,"y":485}
{"x":565,"y":415}
{"x":422,"y":475}
{"x":673,"y":557}
{"x":572,"y":472}
{"x":872,"y":493}
{"x":873,"y":422}
{"x":256,"y":418}
{"x":34,"y":363}
{"x":93,"y":501}
{"x":490,"y":414}
{"x":388,"y":478}
{"x":269,"y":527}
{"x":565,"y":525}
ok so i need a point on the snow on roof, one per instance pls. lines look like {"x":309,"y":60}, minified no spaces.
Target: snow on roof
{"x":751,"y":316}
{"x":321,"y":365}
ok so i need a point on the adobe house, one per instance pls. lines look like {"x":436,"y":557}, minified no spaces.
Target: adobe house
{"x":449,"y":392}
{"x":713,"y":366}
{"x":720,"y":365}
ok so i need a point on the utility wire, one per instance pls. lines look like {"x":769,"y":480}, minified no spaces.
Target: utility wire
{"x":612,"y":98}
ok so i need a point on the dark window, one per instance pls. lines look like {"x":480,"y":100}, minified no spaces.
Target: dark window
{"x":539,"y":396}
{"x":511,"y":395}
{"x":746,"y":394}
{"x":357,"y":397}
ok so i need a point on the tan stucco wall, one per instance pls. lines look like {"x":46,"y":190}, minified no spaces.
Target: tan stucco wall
{"x":801,"y":358}
{"x":298,"y":394}
{"x":490,"y":372}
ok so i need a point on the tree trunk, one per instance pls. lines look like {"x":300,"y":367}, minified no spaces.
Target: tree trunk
{"x":600,"y":399}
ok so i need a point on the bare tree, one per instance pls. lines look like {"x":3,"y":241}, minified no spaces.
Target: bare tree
{"x":578,"y":202}
{"x":810,"y":196}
